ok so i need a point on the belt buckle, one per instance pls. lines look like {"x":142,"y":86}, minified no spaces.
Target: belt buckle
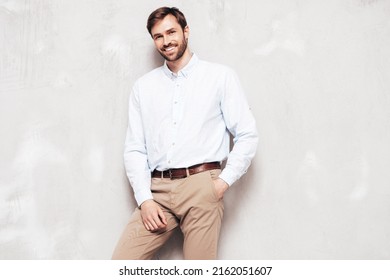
{"x":170,"y":173}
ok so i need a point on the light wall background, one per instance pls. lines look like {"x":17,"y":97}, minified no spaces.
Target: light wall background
{"x":317,"y":76}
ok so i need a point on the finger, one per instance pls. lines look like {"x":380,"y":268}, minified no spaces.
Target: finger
{"x":159,"y":223}
{"x":152,"y":224}
{"x":149,"y":222}
{"x":162,"y":217}
{"x":146,"y":225}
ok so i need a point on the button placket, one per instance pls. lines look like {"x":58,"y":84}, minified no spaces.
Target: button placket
{"x":175,"y":118}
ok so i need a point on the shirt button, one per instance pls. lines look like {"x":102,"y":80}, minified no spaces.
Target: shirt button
{"x":169,"y":161}
{"x":173,"y":144}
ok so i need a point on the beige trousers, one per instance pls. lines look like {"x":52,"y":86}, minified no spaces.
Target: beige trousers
{"x":191,"y":204}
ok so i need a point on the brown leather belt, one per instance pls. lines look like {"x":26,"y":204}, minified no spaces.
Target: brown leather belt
{"x":179,"y":173}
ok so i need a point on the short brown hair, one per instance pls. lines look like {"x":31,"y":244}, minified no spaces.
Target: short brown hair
{"x":161,"y":13}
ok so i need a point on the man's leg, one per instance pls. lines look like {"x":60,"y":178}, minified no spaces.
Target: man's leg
{"x":137,"y":243}
{"x":201,"y":216}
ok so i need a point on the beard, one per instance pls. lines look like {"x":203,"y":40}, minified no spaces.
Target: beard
{"x":180,"y":52}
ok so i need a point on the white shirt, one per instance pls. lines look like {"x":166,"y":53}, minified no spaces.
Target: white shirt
{"x":177,"y":121}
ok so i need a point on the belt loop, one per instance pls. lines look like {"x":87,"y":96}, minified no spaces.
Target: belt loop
{"x":187,"y":172}
{"x":162,"y":174}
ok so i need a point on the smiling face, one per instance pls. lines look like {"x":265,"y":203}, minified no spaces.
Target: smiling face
{"x":170,"y":39}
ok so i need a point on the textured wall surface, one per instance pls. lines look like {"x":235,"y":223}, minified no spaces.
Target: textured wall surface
{"x":317,"y":75}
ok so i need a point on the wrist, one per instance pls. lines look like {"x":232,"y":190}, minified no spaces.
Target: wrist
{"x":223,"y":182}
{"x":146,"y":201}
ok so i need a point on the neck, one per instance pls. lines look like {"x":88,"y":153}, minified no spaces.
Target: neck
{"x":177,"y":65}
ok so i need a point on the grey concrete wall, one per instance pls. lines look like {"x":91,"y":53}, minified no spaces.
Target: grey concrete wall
{"x":317,"y":75}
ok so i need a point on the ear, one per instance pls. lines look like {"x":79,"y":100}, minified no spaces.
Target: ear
{"x":186,"y":32}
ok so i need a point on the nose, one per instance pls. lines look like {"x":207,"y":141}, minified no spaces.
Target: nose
{"x":166,"y":41}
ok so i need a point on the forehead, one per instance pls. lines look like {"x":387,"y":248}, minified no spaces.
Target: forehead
{"x":165,"y":24}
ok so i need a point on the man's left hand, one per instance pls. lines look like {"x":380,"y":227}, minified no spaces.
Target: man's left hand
{"x":220,"y":187}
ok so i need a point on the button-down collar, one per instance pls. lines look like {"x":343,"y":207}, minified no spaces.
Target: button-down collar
{"x":186,"y":71}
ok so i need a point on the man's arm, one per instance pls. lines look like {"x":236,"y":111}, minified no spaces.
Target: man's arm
{"x":137,"y":167}
{"x":135,"y":154}
{"x":242,"y":125}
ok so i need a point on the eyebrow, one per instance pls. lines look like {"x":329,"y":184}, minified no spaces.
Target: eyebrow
{"x":166,"y":31}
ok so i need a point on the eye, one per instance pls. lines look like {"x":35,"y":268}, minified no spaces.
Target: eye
{"x":157,"y":37}
{"x":172,"y":32}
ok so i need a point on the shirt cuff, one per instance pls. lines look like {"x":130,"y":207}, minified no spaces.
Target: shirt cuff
{"x":142,"y":196}
{"x":228,"y":176}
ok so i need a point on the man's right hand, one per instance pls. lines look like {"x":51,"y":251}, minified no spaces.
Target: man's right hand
{"x":152,"y":216}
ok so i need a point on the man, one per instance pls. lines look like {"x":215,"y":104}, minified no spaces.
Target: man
{"x":180,"y":116}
